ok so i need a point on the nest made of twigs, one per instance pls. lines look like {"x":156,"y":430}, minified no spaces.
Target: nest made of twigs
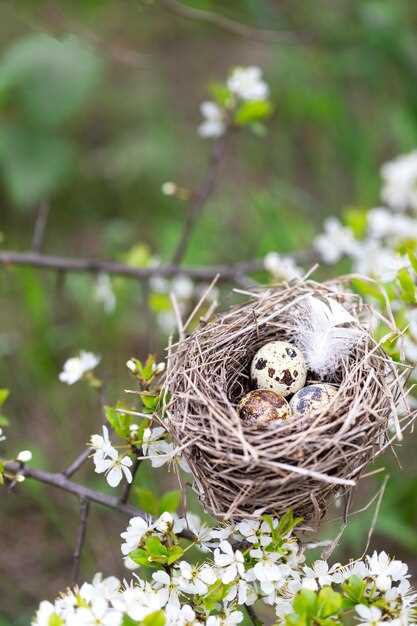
{"x":242,"y":470}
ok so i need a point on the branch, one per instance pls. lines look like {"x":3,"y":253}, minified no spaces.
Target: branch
{"x":227,"y":273}
{"x":200,"y":197}
{"x":60,"y":481}
{"x":228,"y":24}
{"x":126,"y":491}
{"x":40,"y":227}
{"x":84,"y":510}
{"x":79,"y":461}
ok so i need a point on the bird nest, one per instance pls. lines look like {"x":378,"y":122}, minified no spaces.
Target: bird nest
{"x":240,"y":470}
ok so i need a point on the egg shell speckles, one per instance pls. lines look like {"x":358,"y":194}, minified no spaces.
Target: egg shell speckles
{"x":313,"y":399}
{"x":262,"y":406}
{"x":279,"y":366}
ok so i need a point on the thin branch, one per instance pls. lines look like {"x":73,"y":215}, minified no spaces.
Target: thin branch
{"x":79,"y":461}
{"x":200,"y":197}
{"x":62,"y":482}
{"x":252,"y":615}
{"x":126,"y":491}
{"x":59,"y":481}
{"x":40,"y":227}
{"x":225,"y":23}
{"x":82,"y":529}
{"x":227,"y":273}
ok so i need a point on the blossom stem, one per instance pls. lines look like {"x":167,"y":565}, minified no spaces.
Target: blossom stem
{"x":82,"y":529}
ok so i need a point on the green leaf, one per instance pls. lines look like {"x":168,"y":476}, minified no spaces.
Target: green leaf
{"x":253,"y":111}
{"x":408,"y":289}
{"x":147,"y":501}
{"x":357,"y":221}
{"x":221,"y":94}
{"x":4,"y":394}
{"x":175,"y":553}
{"x":368,"y":289}
{"x":329,"y":602}
{"x":305,"y":602}
{"x":215,"y":594}
{"x":354,"y":589}
{"x":34,"y":163}
{"x":157,"y":552}
{"x":47,"y":79}
{"x":170,"y":502}
{"x":119,"y":421}
{"x":55,"y":620}
{"x":413,"y":259}
{"x":127,"y":621}
{"x":154,"y":619}
{"x":139,"y":556}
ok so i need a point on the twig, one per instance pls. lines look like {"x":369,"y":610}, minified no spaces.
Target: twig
{"x":200,"y":197}
{"x":227,"y":273}
{"x":126,"y":491}
{"x":82,"y":529}
{"x":375,"y":515}
{"x":40,"y":227}
{"x":60,"y":481}
{"x":251,"y":613}
{"x":79,"y":461}
{"x":228,"y":24}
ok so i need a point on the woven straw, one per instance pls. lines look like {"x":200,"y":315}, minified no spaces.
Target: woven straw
{"x":239,"y":470}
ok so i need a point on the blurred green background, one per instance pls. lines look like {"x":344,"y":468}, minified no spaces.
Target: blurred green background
{"x":95,"y":128}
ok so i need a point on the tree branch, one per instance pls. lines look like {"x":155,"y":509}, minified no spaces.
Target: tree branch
{"x":40,"y":227}
{"x":60,"y":481}
{"x":82,"y":529}
{"x":200,"y":197}
{"x":227,"y":273}
{"x":79,"y":461}
{"x":225,"y":23}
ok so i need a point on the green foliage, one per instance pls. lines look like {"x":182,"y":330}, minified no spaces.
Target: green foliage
{"x":321,"y":608}
{"x":44,"y":82}
{"x":254,"y":111}
{"x":155,"y":553}
{"x":150,"y":503}
{"x":407,"y":286}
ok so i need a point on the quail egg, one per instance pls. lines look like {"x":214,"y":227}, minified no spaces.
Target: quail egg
{"x":313,"y":399}
{"x":280,"y":366}
{"x":261,"y":406}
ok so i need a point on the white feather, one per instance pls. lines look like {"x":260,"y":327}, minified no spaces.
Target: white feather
{"x":322,"y":338}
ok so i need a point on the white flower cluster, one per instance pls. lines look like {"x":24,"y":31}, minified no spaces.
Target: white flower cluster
{"x":107,"y":459}
{"x":244,"y":84}
{"x":282,"y":267}
{"x":184,"y":290}
{"x":159,"y":451}
{"x":377,"y":253}
{"x":253,"y":560}
{"x":75,"y":368}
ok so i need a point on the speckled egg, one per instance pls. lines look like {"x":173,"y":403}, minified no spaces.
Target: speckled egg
{"x":261,"y":406}
{"x":279,"y":366}
{"x":312,"y":399}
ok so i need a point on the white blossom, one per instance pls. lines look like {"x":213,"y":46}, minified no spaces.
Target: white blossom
{"x":196,"y":580}
{"x":24,"y":456}
{"x":370,"y":615}
{"x":167,"y":587}
{"x":134,"y":533}
{"x":335,"y":242}
{"x":2,"y":437}
{"x":114,"y":467}
{"x":247,"y":83}
{"x":385,"y":570}
{"x":76,"y":367}
{"x":400,"y":182}
{"x":318,"y":574}
{"x":102,"y":446}
{"x":229,"y":618}
{"x":104,"y":293}
{"x":213,"y":125}
{"x":282,"y":267}
{"x":231,"y":562}
{"x":170,"y":522}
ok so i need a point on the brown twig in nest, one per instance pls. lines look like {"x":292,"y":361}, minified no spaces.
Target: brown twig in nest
{"x":241,"y":470}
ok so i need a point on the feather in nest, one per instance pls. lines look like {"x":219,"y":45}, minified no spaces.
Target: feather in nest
{"x":323,"y":336}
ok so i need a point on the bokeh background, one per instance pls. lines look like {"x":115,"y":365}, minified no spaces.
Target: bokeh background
{"x":96,"y":136}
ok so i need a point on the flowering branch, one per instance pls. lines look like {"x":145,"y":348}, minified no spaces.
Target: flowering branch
{"x":200,"y":196}
{"x":226,"y":272}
